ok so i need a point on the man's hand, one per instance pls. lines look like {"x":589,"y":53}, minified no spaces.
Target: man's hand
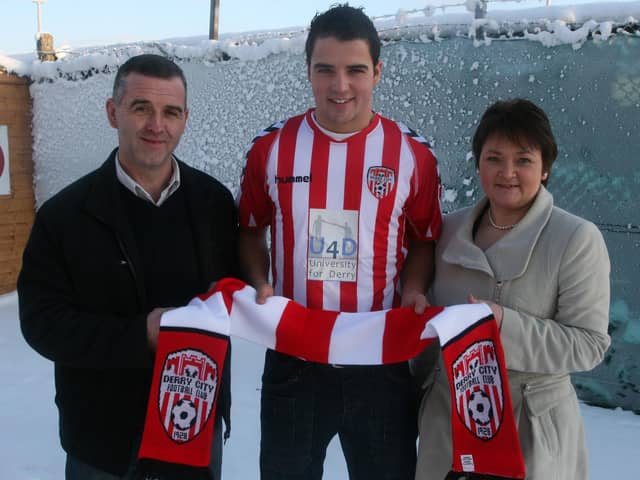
{"x":416,"y":300}
{"x":153,"y":327}
{"x":497,"y":310}
{"x":263,"y":292}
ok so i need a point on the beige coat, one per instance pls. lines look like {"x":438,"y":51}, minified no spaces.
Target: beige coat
{"x":551,"y":275}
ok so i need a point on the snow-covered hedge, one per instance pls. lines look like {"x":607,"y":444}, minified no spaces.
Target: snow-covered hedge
{"x":438,"y":78}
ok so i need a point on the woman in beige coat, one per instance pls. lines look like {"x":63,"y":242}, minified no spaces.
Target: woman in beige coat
{"x":545,"y":274}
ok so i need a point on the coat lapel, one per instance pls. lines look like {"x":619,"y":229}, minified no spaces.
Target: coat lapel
{"x":105,"y":204}
{"x":461,"y":250}
{"x":199,"y":206}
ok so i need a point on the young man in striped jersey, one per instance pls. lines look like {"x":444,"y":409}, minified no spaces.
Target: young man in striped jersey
{"x":351,"y":199}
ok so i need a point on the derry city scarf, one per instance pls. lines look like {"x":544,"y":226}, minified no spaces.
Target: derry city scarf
{"x":192,"y":345}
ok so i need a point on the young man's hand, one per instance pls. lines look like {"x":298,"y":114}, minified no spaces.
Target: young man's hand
{"x":263,"y":292}
{"x":416,"y":300}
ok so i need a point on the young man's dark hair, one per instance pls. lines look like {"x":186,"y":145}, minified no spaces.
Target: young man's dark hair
{"x":522,"y":122}
{"x":149,"y":65}
{"x":345,"y":23}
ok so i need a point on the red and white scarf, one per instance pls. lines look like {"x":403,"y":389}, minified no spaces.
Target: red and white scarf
{"x":193,"y":341}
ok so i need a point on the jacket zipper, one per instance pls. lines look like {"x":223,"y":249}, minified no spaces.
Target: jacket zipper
{"x":497,"y":292}
{"x":127,"y":259}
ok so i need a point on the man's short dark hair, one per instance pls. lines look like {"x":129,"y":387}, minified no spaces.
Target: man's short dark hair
{"x":149,"y":65}
{"x":522,"y":122}
{"x":345,"y":23}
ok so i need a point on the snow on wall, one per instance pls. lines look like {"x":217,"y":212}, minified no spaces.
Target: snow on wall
{"x":588,"y":82}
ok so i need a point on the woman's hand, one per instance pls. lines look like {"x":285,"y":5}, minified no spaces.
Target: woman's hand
{"x":497,"y":310}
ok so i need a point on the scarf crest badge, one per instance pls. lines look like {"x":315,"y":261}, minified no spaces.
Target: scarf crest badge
{"x":187,"y":393}
{"x":479,"y":389}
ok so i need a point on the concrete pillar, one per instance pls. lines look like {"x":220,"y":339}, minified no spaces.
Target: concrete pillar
{"x":46,"y":53}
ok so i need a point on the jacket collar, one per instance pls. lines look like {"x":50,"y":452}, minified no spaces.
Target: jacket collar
{"x":509,"y":257}
{"x":103,"y":200}
{"x":104,"y":203}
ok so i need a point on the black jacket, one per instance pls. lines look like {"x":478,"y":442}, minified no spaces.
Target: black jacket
{"x":81,"y":305}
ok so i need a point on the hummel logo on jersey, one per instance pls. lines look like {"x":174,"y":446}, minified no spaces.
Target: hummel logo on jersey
{"x":294,"y":179}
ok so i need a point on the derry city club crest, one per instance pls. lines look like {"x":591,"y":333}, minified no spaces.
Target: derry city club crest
{"x":187,"y":393}
{"x":381,"y":181}
{"x":478,"y":389}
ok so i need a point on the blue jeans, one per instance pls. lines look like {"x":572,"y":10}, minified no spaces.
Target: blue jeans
{"x":372,"y":409}
{"x":76,"y":469}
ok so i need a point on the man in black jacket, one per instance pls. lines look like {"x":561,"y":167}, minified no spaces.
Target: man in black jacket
{"x":108,"y":254}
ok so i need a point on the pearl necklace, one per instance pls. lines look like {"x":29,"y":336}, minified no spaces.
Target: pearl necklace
{"x":500,"y":227}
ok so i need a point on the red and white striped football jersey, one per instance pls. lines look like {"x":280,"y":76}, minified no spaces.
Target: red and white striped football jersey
{"x":341,"y":212}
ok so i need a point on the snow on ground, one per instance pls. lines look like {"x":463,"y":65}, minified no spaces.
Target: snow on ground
{"x":31,"y":451}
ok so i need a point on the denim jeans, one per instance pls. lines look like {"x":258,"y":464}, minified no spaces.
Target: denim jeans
{"x":76,"y":469}
{"x":372,"y":409}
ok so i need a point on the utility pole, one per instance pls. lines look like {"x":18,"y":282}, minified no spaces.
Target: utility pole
{"x":481,"y":9}
{"x":213,"y":19}
{"x":480,"y":12}
{"x":39,"y":4}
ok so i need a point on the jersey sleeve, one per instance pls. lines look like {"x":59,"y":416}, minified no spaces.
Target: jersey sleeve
{"x":253,"y":201}
{"x":424,"y":218}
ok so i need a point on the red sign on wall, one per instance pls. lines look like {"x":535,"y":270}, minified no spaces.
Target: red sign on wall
{"x":5,"y":178}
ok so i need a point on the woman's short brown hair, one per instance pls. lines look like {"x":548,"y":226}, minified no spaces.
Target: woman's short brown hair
{"x":522,"y":122}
